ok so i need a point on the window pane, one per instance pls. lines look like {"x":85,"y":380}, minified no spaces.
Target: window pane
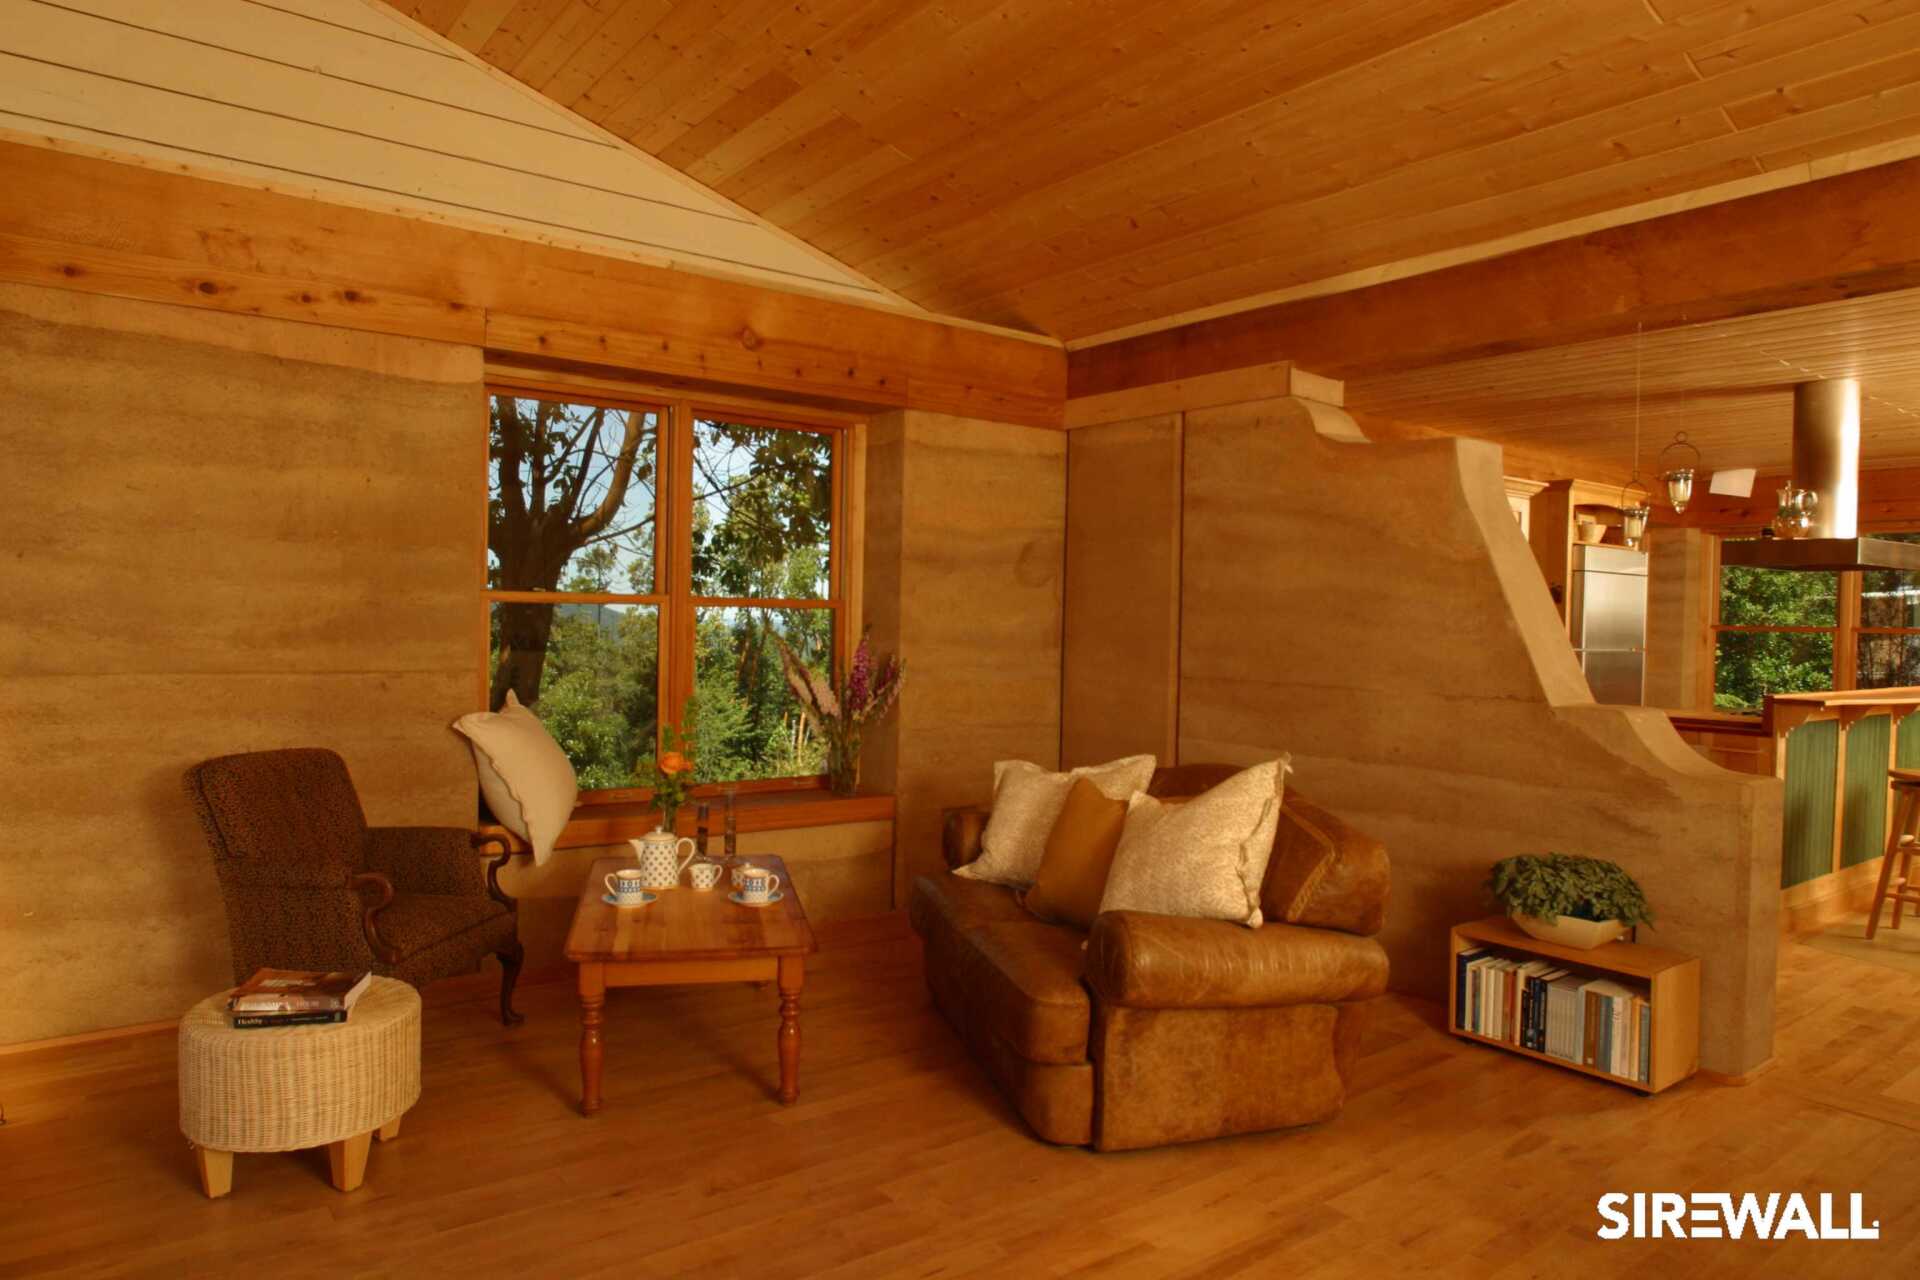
{"x":1777,"y":597}
{"x":762,"y":511}
{"x":1886,"y":661}
{"x":747,"y":722}
{"x":589,"y":671}
{"x":1748,"y":665}
{"x":1889,"y":598}
{"x":570,"y":497}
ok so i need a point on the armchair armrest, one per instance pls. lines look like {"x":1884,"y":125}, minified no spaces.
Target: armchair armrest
{"x":372,"y":882}
{"x":427,"y":859}
{"x":1144,"y":961}
{"x":960,"y":834}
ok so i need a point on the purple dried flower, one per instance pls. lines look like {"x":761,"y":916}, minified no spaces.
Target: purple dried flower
{"x":859,"y":679}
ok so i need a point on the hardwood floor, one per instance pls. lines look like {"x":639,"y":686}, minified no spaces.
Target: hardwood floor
{"x":899,"y":1160}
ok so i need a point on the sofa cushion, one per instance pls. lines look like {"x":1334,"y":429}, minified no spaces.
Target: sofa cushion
{"x":1013,"y":978}
{"x":961,"y":904}
{"x":1073,"y":871}
{"x":1026,"y":803}
{"x":526,"y":778}
{"x":1025,"y":987}
{"x":1205,"y":858}
{"x":439,"y":935}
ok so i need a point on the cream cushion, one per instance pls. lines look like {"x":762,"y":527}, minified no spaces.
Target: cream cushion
{"x":1203,"y":858}
{"x":525,"y":776}
{"x":1027,"y":801}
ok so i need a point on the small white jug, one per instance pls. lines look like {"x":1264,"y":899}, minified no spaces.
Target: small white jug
{"x":658,"y":854}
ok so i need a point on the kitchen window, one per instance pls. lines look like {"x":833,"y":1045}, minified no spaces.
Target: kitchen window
{"x":1786,"y":631}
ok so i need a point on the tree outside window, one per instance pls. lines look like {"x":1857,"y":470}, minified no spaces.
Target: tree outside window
{"x":1786,"y":631}
{"x":596,"y":586}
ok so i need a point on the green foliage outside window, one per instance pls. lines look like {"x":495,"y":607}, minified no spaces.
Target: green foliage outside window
{"x":572,"y":510}
{"x":1748,"y":665}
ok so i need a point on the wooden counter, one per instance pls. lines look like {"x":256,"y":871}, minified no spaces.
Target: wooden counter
{"x":1833,"y":750}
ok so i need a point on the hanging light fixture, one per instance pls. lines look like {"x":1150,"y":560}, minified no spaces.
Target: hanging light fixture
{"x":1635,"y":512}
{"x":1679,"y":479}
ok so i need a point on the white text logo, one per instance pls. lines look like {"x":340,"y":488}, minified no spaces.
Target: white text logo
{"x":1717,"y":1215}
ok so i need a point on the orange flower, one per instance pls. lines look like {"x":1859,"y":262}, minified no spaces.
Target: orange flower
{"x":673,"y":762}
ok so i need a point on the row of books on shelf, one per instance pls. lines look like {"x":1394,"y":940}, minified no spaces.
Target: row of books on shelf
{"x":1551,"y":1009}
{"x":294,"y":998}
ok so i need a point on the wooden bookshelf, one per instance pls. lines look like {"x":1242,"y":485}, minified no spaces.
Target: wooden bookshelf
{"x":1673,"y":984}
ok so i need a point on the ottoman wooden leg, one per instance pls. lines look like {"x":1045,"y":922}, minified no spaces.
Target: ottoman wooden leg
{"x":348,"y":1159}
{"x":391,"y":1129}
{"x":216,"y":1171}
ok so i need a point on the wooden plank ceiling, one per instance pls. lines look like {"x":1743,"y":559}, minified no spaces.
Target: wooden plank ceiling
{"x":1080,"y":167}
{"x":1727,"y":384}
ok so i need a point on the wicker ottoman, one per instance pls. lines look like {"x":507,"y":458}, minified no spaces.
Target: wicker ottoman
{"x":285,"y":1088}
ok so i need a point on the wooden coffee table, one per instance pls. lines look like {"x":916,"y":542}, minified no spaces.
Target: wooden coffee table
{"x":687,"y":936}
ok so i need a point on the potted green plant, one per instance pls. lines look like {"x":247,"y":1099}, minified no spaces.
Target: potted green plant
{"x":1576,"y":902}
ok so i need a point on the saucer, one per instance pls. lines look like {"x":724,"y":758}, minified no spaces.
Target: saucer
{"x":612,"y":901}
{"x":776,"y":896}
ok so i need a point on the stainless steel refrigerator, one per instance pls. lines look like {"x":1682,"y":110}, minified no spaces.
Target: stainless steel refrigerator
{"x":1607,"y":621}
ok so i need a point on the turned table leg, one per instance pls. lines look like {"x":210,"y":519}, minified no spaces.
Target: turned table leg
{"x":593,"y":1000}
{"x":216,"y":1171}
{"x":348,"y":1160}
{"x":792,"y":974}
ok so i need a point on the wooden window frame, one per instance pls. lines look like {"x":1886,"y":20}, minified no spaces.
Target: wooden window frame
{"x":673,"y":596}
{"x":1846,"y":629}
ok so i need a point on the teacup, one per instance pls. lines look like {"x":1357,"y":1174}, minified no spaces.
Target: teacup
{"x":758,"y":885}
{"x":704,"y":875}
{"x":628,"y":886}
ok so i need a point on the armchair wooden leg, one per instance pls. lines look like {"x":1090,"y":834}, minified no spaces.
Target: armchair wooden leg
{"x":511,"y":958}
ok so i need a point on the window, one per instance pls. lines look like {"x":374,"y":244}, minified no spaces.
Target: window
{"x":641,"y":560}
{"x":1887,"y":649}
{"x":1783,"y":631}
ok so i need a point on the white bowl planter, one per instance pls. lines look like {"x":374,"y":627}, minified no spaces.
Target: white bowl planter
{"x":1570,"y":931}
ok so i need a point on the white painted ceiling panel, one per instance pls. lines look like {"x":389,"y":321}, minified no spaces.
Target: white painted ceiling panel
{"x":343,"y":100}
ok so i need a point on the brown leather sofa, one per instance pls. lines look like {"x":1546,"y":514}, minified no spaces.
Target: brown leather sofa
{"x":1155,"y":1029}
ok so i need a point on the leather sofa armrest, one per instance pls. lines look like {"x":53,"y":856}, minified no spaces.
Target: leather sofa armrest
{"x":960,"y":834}
{"x":1144,"y":961}
{"x":1324,"y":872}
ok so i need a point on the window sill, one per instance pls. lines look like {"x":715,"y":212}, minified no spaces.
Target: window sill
{"x":593,"y":825}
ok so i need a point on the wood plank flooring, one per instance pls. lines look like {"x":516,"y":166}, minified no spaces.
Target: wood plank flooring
{"x":899,"y":1160}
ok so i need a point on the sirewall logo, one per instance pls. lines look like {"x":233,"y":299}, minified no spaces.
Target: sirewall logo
{"x":1719,"y":1215}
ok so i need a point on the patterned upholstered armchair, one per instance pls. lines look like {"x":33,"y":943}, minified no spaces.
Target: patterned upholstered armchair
{"x":309,"y":885}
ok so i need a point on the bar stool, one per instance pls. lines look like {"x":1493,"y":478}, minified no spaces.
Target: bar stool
{"x":1901,"y":843}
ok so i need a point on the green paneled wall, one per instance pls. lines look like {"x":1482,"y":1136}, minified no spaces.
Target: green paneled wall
{"x":1807,"y":846}
{"x":1909,"y":744}
{"x":1865,"y":803}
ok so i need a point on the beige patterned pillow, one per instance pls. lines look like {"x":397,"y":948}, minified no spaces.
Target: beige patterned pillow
{"x":1205,"y":858}
{"x":1026,"y":803}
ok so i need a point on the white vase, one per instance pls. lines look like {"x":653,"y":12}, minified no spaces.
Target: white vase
{"x":1569,"y":931}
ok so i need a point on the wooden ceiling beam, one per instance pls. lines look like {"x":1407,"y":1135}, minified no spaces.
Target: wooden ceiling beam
{"x":76,"y":222}
{"x":1842,"y":237}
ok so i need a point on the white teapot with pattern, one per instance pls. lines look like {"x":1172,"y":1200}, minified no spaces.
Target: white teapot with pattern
{"x":659,"y":856}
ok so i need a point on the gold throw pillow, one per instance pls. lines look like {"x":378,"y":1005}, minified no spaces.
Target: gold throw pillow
{"x":1079,"y":852}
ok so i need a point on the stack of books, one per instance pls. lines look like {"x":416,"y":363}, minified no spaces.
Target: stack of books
{"x":1549,"y":1009}
{"x":294,"y":998}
